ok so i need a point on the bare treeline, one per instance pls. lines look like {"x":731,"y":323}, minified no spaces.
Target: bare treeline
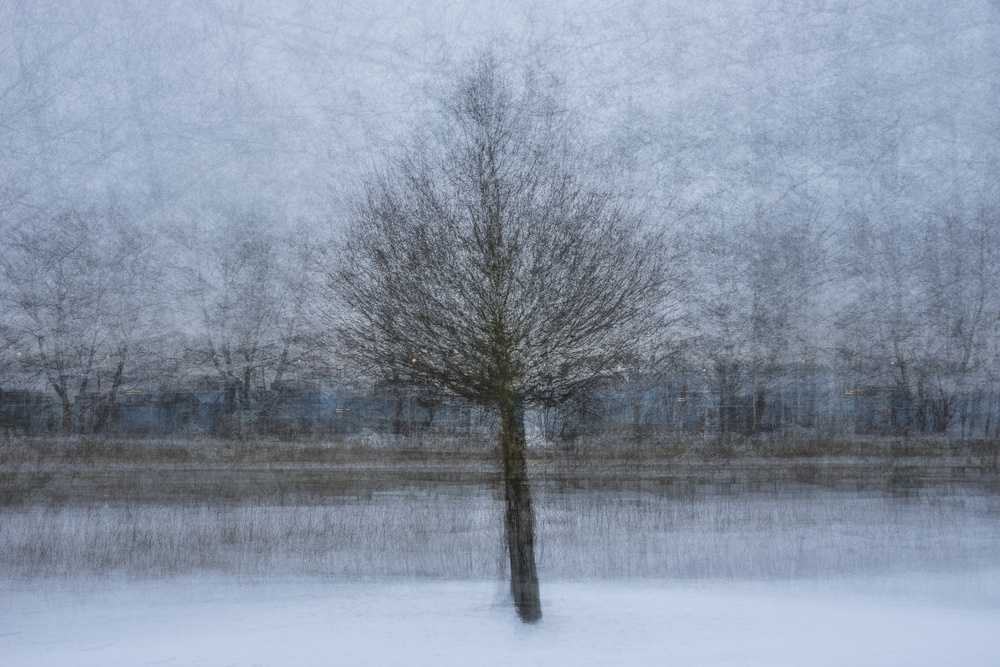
{"x":175,"y":177}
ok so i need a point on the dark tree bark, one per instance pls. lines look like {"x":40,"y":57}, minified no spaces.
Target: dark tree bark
{"x":519,"y":517}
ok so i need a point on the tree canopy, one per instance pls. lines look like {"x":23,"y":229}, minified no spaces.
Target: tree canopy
{"x":483,"y":259}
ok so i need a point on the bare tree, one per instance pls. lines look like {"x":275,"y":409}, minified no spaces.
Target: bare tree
{"x":249,"y":294}
{"x":959,"y":284}
{"x":754,"y":315}
{"x":483,"y":263}
{"x":79,"y":287}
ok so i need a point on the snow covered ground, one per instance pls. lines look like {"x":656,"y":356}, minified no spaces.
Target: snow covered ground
{"x":909,"y":620}
{"x":795,"y":577}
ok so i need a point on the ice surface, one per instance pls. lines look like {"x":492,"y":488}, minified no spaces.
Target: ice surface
{"x":903,"y":620}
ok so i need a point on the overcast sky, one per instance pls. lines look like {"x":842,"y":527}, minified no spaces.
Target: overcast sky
{"x":718,"y":108}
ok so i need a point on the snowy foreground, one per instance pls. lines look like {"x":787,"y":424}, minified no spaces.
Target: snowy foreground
{"x":798,"y":576}
{"x":903,"y":620}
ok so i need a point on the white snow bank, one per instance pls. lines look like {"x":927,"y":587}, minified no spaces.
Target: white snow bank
{"x":906,"y":620}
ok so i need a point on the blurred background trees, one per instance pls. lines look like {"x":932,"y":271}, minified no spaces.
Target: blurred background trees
{"x":826,"y":168}
{"x":79,"y":290}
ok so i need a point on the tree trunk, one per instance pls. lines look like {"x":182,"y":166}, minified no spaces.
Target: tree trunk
{"x":270,"y":398}
{"x":231,"y":427}
{"x":109,"y":405}
{"x":66,"y":422}
{"x":519,"y":518}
